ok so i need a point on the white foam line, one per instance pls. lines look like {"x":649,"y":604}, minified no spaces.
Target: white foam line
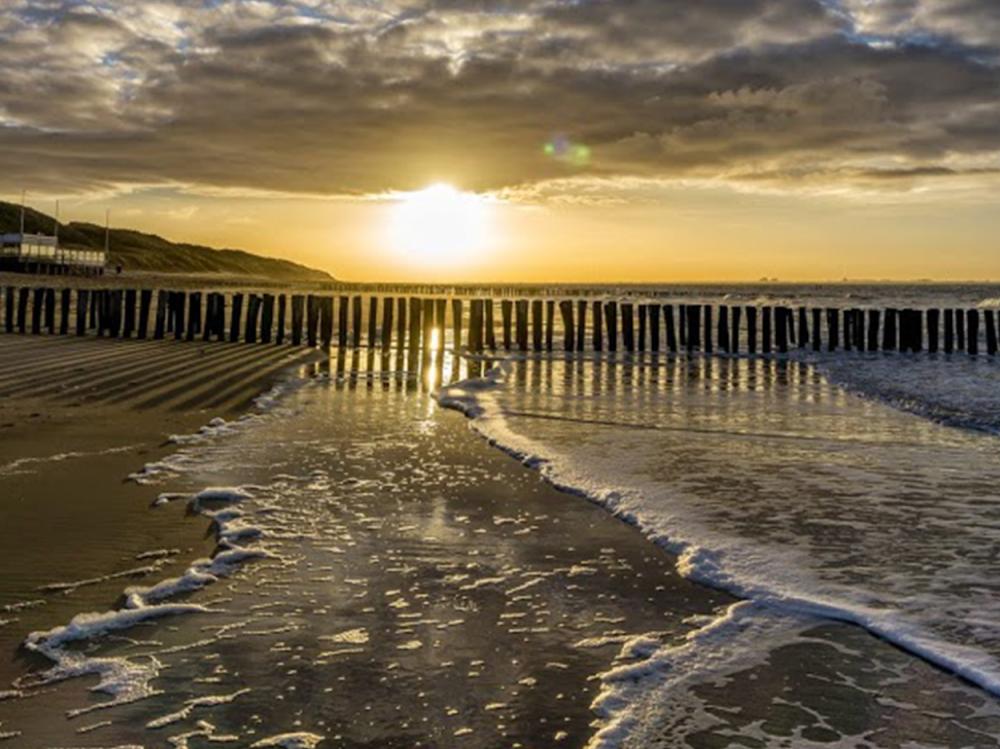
{"x":124,"y":680}
{"x":299,"y":740}
{"x":69,"y":587}
{"x":190,"y":706}
{"x":14,"y":466}
{"x":477,"y":399}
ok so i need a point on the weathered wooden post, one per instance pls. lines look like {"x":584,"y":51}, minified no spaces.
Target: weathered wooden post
{"x":991,"y":332}
{"x":918,"y":330}
{"x":566,"y":312}
{"x":279,"y":335}
{"x":859,"y":329}
{"x":115,"y":301}
{"x":477,"y":319}
{"x":194,"y":315}
{"x":427,"y":313}
{"x":253,"y":319}
{"x":550,"y":323}
{"x":37,"y":303}
{"x":474,"y":339}
{"x":781,"y":329}
{"x":298,"y":310}
{"x":765,"y":346}
{"x":693,"y":314}
{"x":817,"y":327}
{"x":628,"y":331}
{"x":874,"y":325}
{"x":50,"y":311}
{"x":751,"y":330}
{"x":356,"y":322}
{"x":505,"y":312}
{"x":933,"y":326}
{"x":9,"y":310}
{"x":890,"y":337}
{"x":972,"y":331}
{"x":707,"y":347}
{"x":723,"y":329}
{"x":210,"y":313}
{"x":456,"y":325}
{"x":641,"y":343}
{"x":803,"y":328}
{"x":312,"y":319}
{"x":400,"y":325}
{"x":904,"y":321}
{"x":734,"y":336}
{"x":521,"y":316}
{"x":668,"y":323}
{"x":220,"y":322}
{"x":910,"y":330}
{"x":343,"y":315}
{"x":597,"y":332}
{"x":654,"y":328}
{"x":416,"y":309}
{"x":218,"y":317}
{"x":65,"y":302}
{"x":959,"y":330}
{"x":102,"y":312}
{"x":388,"y":303}
{"x":266,"y":318}
{"x":326,"y":322}
{"x":949,"y":330}
{"x":848,"y":330}
{"x":128,"y":326}
{"x":164,"y":301}
{"x":611,"y":325}
{"x":95,"y":301}
{"x":491,"y":335}
{"x":160,"y":324}
{"x":82,"y":302}
{"x":581,"y":323}
{"x":440,"y":310}
{"x":832,"y":329}
{"x":682,"y":326}
{"x":537,"y":334}
{"x":179,"y":311}
{"x":372,"y":321}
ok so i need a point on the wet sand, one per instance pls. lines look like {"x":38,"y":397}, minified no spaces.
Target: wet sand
{"x":76,"y":418}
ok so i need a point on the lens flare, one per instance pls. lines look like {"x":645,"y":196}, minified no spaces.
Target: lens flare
{"x":562,"y":148}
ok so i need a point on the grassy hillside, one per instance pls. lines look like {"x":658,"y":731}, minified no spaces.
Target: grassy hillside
{"x":135,"y":250}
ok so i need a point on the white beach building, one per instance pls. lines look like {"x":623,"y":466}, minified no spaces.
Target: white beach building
{"x":41,"y":253}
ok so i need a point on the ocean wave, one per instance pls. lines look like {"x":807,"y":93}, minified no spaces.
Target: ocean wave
{"x":771,"y":580}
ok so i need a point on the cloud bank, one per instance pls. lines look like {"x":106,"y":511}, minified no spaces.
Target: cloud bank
{"x":358,"y":96}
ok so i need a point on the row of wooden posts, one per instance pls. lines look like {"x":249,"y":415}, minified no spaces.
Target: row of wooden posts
{"x":525,"y":325}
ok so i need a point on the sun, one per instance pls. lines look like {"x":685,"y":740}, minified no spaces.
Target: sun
{"x":439,"y":225}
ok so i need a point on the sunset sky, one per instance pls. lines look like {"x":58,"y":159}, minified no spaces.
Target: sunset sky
{"x":632,"y":140}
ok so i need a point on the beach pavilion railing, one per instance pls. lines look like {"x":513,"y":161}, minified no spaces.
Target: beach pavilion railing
{"x":572,"y":326}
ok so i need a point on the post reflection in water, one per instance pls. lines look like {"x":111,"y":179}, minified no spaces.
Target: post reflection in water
{"x":587,"y":386}
{"x":399,"y":368}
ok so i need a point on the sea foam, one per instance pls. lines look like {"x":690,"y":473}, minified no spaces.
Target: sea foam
{"x":774,"y":580}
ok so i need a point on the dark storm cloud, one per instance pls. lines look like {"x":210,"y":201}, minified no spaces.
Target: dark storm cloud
{"x":351,"y":98}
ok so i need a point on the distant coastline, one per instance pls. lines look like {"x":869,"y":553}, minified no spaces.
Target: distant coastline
{"x":137,"y":251}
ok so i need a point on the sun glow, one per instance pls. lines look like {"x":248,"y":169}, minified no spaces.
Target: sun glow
{"x":440,"y":225}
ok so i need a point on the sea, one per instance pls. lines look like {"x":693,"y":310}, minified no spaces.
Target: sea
{"x":824,"y":529}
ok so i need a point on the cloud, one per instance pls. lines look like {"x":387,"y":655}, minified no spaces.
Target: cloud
{"x":350,"y":98}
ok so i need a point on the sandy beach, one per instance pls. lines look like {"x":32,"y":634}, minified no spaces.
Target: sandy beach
{"x":405,"y":583}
